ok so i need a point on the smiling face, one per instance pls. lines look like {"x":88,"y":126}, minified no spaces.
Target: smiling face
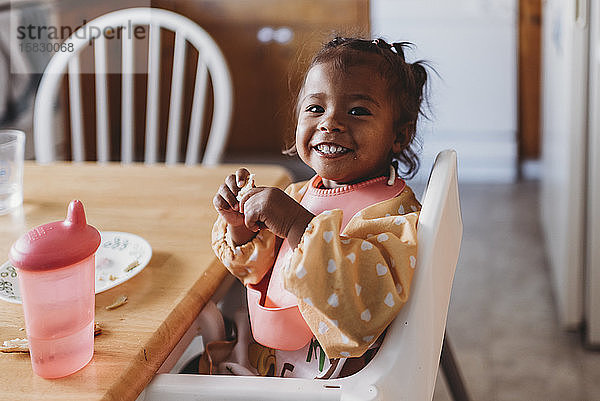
{"x":345,"y":124}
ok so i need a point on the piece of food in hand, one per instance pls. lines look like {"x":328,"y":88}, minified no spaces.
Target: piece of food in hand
{"x":120,"y":301}
{"x":15,"y":345}
{"x":246,"y":188}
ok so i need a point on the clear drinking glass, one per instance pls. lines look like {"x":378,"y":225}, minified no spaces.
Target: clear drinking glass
{"x":12,"y":152}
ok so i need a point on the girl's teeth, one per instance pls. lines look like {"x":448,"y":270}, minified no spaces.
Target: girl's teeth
{"x":330,"y":149}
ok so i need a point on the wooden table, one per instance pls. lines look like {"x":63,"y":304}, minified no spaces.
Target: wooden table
{"x":171,"y":207}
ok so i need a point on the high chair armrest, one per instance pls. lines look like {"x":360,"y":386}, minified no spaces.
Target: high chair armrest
{"x":181,"y":387}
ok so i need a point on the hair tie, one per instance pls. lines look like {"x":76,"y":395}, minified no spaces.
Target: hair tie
{"x":396,"y":48}
{"x":382,"y":44}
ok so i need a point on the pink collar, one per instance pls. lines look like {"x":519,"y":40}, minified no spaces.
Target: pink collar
{"x":350,"y":198}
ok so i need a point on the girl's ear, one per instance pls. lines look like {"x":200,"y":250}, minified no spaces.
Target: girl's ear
{"x":398,"y":144}
{"x":402,"y":138}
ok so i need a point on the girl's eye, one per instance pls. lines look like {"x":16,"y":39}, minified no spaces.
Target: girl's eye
{"x":359,"y":111}
{"x":315,"y":109}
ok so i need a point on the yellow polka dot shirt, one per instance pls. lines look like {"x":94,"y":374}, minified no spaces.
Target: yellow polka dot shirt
{"x":351,"y":282}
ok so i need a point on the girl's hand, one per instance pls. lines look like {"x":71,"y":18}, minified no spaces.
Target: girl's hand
{"x":272,"y":208}
{"x":225,"y":200}
{"x":226,"y":203}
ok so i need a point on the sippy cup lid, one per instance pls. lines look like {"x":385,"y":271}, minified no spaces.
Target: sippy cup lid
{"x":57,"y":244}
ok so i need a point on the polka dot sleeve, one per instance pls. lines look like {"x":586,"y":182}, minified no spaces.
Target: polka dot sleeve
{"x":248,"y":262}
{"x":351,"y":284}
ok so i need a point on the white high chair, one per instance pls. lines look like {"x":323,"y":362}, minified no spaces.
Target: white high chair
{"x":406,"y":365}
{"x":211,"y":68}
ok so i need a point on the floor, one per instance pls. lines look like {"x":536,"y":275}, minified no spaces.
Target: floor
{"x":502,"y":320}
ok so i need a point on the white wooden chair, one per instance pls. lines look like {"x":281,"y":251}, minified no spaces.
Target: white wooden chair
{"x":406,"y":366}
{"x":211,"y":66}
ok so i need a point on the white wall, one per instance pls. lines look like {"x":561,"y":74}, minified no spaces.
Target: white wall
{"x":472,"y":44}
{"x":592,"y":270}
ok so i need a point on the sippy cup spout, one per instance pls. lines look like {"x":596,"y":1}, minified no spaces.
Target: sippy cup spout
{"x":56,"y":244}
{"x":76,"y":214}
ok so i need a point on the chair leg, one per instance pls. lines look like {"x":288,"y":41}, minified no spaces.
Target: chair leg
{"x":452,"y":373}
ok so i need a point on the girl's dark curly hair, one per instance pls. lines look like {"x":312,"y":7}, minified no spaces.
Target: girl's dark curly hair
{"x":406,"y":82}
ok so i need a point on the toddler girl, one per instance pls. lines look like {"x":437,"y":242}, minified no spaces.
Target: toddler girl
{"x":328,"y":263}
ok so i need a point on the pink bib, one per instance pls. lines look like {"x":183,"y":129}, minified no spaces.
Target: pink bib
{"x":275,"y":319}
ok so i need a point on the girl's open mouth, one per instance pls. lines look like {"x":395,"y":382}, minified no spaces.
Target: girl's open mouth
{"x":331,"y":150}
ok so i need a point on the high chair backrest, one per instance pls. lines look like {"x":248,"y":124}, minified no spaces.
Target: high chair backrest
{"x":405,"y":368}
{"x":406,"y":365}
{"x":211,"y":71}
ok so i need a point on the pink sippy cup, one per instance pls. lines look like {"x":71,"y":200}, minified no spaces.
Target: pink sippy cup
{"x":56,"y":270}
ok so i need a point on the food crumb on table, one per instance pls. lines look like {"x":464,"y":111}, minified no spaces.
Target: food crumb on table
{"x":118,"y":302}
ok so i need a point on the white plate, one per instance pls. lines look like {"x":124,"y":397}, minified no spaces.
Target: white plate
{"x":115,"y":258}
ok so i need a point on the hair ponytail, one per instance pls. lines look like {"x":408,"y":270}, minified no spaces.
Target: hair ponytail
{"x":398,"y":48}
{"x":420,"y":77}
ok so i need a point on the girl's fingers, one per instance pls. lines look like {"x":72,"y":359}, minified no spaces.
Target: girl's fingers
{"x":251,"y":221}
{"x":231,"y":216}
{"x":241,"y":176}
{"x":219,"y":203}
{"x":229,"y":197}
{"x":248,"y":195}
{"x":251,"y":209}
{"x":231,"y":183}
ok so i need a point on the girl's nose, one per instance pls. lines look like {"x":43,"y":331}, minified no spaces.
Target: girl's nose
{"x":331,"y":124}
